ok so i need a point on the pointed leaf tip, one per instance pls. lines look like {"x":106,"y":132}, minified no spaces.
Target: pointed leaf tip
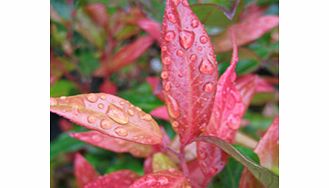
{"x":83,"y":171}
{"x":109,"y":115}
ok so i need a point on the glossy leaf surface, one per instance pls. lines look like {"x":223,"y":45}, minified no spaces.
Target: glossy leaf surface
{"x":265,"y":176}
{"x":119,"y":179}
{"x":189,"y":70}
{"x":225,"y":120}
{"x":162,"y":179}
{"x":83,"y":171}
{"x":109,"y":115}
{"x":113,"y":144}
{"x":246,"y":31}
{"x":268,"y":152}
{"x":160,"y":112}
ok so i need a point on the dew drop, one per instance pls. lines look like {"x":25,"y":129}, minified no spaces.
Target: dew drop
{"x":163,"y":180}
{"x":103,"y":97}
{"x":147,"y":117}
{"x":138,"y":109}
{"x":167,"y":61}
{"x":131,"y":112}
{"x":193,"y":57}
{"x":53,"y":101}
{"x":63,"y":97}
{"x":92,"y":97}
{"x":203,"y":39}
{"x":186,"y":38}
{"x":121,"y":131}
{"x":208,"y":87}
{"x":175,"y":124}
{"x":100,"y":106}
{"x":195,"y":23}
{"x":180,"y":52}
{"x":167,"y":86}
{"x":91,"y":119}
{"x":106,"y":124}
{"x":173,"y":109}
{"x":170,"y":35}
{"x":164,"y":48}
{"x":171,"y":18}
{"x":117,"y":114}
{"x":164,"y":75}
{"x":180,"y":74}
{"x":206,"y":67}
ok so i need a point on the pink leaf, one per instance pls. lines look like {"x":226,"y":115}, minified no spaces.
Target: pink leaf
{"x":268,"y":151}
{"x":113,"y":144}
{"x":246,"y":31}
{"x":109,"y":115}
{"x":83,"y":171}
{"x":156,"y":86}
{"x":252,"y":11}
{"x":197,"y":178}
{"x":160,"y":112}
{"x":225,"y":119}
{"x":119,"y":179}
{"x":108,"y":87}
{"x":162,"y":179}
{"x":189,"y":70}
{"x":153,"y":28}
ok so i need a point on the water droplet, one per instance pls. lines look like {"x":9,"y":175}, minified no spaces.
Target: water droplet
{"x":173,"y":109}
{"x":175,"y":124}
{"x":91,"y":119}
{"x":92,"y":97}
{"x":171,"y":17}
{"x":117,"y":114}
{"x":206,"y":67}
{"x":167,"y":60}
{"x":138,"y":109}
{"x":208,"y":87}
{"x":170,"y":35}
{"x":180,"y":52}
{"x":167,"y":86}
{"x":186,"y":38}
{"x":193,"y":57}
{"x":163,"y":180}
{"x":147,"y":117}
{"x":106,"y":124}
{"x":62,"y":97}
{"x":199,"y":48}
{"x":195,"y":23}
{"x":131,"y":112}
{"x":203,"y":39}
{"x":121,"y":131}
{"x":164,"y":75}
{"x":100,"y":106}
{"x":103,"y":97}
{"x":53,"y":101}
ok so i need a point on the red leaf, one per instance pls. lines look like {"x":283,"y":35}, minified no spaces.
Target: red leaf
{"x":109,"y":115}
{"x":252,"y":11}
{"x":113,"y":144}
{"x":267,"y":150}
{"x":65,"y":125}
{"x":150,"y":26}
{"x":160,"y":112}
{"x":197,"y":178}
{"x":97,"y":11}
{"x":156,"y":86}
{"x":108,"y":87}
{"x":162,"y":179}
{"x":83,"y":171}
{"x":263,"y":86}
{"x":148,"y":165}
{"x":189,"y":70}
{"x":225,"y":119}
{"x":125,"y":56}
{"x":246,"y":31}
{"x":119,"y":179}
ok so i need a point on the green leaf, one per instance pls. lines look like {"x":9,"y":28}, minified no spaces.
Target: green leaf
{"x":63,"y":88}
{"x":126,"y":162}
{"x":64,"y":144}
{"x":88,"y":62}
{"x":265,"y":176}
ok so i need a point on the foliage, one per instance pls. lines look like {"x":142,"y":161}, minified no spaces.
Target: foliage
{"x":157,"y":93}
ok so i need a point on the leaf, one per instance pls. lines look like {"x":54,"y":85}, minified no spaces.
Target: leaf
{"x":196,"y":176}
{"x":83,"y":171}
{"x":268,"y":152}
{"x":161,"y":113}
{"x":98,"y":13}
{"x":151,"y":27}
{"x":189,"y":70}
{"x":161,"y":162}
{"x":109,"y":115}
{"x":156,"y":86}
{"x":162,"y":179}
{"x":225,"y":119}
{"x":126,"y":55}
{"x":246,"y":32}
{"x":113,"y":144}
{"x":64,"y":144}
{"x":63,"y":87}
{"x":119,"y":179}
{"x":268,"y":178}
{"x":108,"y":87}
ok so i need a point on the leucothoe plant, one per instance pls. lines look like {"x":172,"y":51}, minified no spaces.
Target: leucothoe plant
{"x":205,"y":111}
